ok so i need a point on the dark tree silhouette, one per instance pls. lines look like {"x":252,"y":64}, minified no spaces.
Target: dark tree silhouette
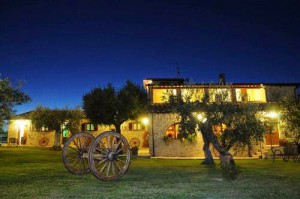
{"x":10,"y":96}
{"x":110,"y":107}
{"x":56,"y":120}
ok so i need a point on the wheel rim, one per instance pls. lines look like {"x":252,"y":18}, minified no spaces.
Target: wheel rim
{"x":75,"y":153}
{"x":109,"y":156}
{"x":44,"y":141}
{"x":134,"y":142}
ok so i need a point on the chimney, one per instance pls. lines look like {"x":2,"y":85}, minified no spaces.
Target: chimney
{"x":222,"y":79}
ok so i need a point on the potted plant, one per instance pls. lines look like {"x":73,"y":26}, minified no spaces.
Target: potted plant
{"x":168,"y":138}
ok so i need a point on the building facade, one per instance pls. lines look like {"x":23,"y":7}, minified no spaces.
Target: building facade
{"x":164,"y":124}
{"x":152,"y":136}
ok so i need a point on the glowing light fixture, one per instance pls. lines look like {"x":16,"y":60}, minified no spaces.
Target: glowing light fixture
{"x":145,"y":121}
{"x":272,"y":114}
{"x":201,"y":117}
{"x":21,"y":123}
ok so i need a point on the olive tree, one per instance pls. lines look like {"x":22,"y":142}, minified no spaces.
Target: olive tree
{"x":110,"y":107}
{"x":238,"y":122}
{"x":56,"y":120}
{"x":10,"y":96}
{"x":290,"y":117}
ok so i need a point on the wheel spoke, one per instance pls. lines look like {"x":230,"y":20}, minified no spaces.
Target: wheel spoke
{"x":117,"y":146}
{"x":122,"y":155}
{"x":76,"y":144}
{"x":121,"y":149}
{"x":82,"y":141}
{"x":108,"y":142}
{"x":121,"y":161}
{"x":101,"y":150}
{"x":118,"y":168}
{"x":70,"y":147}
{"x":113,"y":168}
{"x":79,"y":143}
{"x":102,"y":161}
{"x":108,"y":169}
{"x":75,"y":155}
{"x":75,"y":162}
{"x":83,"y":163}
{"x":102,"y":169}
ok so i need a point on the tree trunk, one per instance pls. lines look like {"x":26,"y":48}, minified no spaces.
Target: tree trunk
{"x":56,"y":145}
{"x":207,"y":132}
{"x":118,"y":128}
{"x":207,"y":153}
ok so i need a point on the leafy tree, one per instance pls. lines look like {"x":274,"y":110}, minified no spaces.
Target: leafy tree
{"x":10,"y":96}
{"x":290,"y":117}
{"x":238,"y":122}
{"x":56,"y":120}
{"x":106,"y":106}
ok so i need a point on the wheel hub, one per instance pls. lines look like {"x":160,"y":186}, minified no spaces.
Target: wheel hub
{"x":112,"y":156}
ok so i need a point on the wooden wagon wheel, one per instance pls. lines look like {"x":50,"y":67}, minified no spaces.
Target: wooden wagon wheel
{"x":134,"y":142}
{"x":44,"y":141}
{"x":75,"y":153}
{"x":109,"y":156}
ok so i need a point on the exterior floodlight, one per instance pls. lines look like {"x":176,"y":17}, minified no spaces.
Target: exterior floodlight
{"x":145,"y":121}
{"x":272,"y":114}
{"x":21,"y":123}
{"x":201,"y":117}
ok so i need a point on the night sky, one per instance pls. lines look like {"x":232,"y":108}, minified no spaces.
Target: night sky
{"x":63,"y":49}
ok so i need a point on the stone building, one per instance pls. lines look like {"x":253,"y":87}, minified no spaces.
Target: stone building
{"x":152,"y":136}
{"x":164,"y":124}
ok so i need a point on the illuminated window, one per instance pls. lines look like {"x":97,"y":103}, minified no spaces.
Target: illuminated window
{"x":220,"y":94}
{"x":161,"y":95}
{"x":44,"y":129}
{"x":251,"y":95}
{"x":256,"y":95}
{"x":136,"y":126}
{"x":172,"y":131}
{"x":89,"y":127}
{"x":193,"y":94}
{"x":241,"y":95}
{"x":218,"y":129}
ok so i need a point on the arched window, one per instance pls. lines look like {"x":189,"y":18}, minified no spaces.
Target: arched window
{"x":172,"y":131}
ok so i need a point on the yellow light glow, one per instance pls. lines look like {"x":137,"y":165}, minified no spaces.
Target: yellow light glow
{"x":145,"y":121}
{"x":21,"y":123}
{"x":272,"y":114}
{"x":201,"y":117}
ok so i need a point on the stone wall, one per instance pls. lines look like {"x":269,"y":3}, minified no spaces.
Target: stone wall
{"x":158,"y":147}
{"x":275,"y":93}
{"x":30,"y":137}
{"x":46,"y":139}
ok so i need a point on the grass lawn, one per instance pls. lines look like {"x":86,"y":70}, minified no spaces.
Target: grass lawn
{"x":40,"y":173}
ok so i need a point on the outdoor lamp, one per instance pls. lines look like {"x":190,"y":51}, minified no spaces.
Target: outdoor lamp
{"x":145,"y":121}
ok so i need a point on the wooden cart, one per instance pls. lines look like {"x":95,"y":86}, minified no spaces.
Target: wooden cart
{"x":286,"y":153}
{"x":107,"y":156}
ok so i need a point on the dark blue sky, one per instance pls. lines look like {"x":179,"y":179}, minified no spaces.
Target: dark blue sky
{"x":63,"y":49}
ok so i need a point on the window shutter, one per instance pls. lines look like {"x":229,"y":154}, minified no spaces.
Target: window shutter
{"x":95,"y":127}
{"x":130,"y":126}
{"x":83,"y":127}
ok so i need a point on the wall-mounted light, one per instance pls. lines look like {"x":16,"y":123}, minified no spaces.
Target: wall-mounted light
{"x":21,"y":123}
{"x":201,"y":117}
{"x":272,"y":114}
{"x":145,"y":121}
